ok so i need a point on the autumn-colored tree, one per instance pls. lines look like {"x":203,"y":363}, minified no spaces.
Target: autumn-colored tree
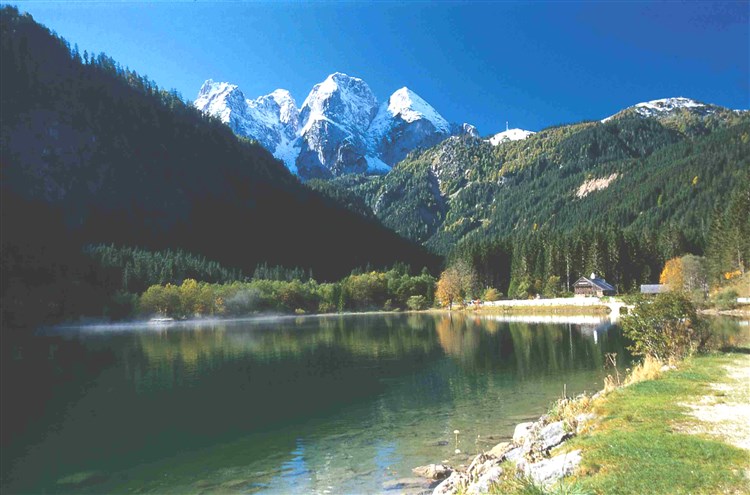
{"x":456,"y":282}
{"x":687,"y":273}
{"x":672,"y":274}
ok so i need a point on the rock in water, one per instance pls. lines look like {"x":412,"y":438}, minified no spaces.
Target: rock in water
{"x":407,"y":485}
{"x":433,"y":471}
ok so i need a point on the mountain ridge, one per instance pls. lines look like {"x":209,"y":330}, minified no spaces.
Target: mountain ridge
{"x":340,"y":127}
{"x":472,"y":187}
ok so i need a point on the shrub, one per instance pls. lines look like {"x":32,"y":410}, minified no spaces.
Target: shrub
{"x":417,"y":303}
{"x":726,"y":299}
{"x":491,"y":294}
{"x":665,"y":327}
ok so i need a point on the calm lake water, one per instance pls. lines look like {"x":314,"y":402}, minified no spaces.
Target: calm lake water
{"x":336,"y":404}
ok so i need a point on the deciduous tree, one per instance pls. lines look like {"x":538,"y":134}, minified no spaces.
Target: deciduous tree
{"x":456,"y":282}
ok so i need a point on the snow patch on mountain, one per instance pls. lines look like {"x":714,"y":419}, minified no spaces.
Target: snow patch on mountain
{"x":663,"y":106}
{"x":288,"y":113}
{"x":287,"y":151}
{"x":510,"y":135}
{"x":377,"y":165}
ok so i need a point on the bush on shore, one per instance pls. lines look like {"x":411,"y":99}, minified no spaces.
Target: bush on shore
{"x":665,"y":327}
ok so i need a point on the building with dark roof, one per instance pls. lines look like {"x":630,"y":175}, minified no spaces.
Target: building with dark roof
{"x":593,"y":286}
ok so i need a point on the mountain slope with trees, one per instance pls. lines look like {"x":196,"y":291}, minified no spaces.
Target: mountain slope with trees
{"x":94,"y":153}
{"x":619,"y":197}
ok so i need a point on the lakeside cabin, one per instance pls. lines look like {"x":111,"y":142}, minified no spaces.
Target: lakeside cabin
{"x":593,"y":286}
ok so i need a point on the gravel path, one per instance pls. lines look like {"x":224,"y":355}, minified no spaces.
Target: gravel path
{"x":726,"y":412}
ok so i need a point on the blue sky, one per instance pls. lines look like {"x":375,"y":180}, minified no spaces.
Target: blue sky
{"x":534,"y":64}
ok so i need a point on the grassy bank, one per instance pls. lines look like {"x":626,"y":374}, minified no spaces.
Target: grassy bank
{"x":647,"y":440}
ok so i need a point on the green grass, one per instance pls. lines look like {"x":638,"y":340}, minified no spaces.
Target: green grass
{"x":641,"y":445}
{"x":525,"y":486}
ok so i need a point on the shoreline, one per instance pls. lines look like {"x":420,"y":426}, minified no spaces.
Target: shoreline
{"x":542,"y":312}
{"x":581,"y":440}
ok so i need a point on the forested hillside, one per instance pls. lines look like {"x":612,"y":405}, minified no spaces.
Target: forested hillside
{"x":95,"y":153}
{"x":618,"y":197}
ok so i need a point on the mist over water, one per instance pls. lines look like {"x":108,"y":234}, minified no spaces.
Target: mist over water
{"x":290,"y":405}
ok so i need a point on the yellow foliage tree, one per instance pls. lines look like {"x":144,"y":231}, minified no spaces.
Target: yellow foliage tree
{"x":456,"y":283}
{"x":190,"y":297}
{"x":673,"y":274}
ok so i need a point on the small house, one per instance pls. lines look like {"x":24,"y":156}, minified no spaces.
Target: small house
{"x":653,"y":289}
{"x":593,"y":286}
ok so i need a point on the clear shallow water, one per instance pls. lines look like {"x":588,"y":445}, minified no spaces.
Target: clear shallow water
{"x":339,"y":404}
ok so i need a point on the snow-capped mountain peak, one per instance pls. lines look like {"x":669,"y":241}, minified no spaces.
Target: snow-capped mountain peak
{"x":340,"y":128}
{"x":288,"y":112}
{"x":668,"y":104}
{"x":349,"y":98}
{"x":409,"y":106}
{"x":219,"y":99}
{"x":509,"y":135}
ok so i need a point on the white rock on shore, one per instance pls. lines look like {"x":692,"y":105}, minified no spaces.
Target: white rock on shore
{"x":548,"y":471}
{"x":529,"y":451}
{"x":551,"y":435}
{"x":488,"y":477}
{"x":522,"y":431}
{"x":452,"y":484}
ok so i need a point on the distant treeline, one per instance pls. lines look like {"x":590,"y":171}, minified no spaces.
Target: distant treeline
{"x":393,"y":289}
{"x":548,"y":263}
{"x":134,"y":269}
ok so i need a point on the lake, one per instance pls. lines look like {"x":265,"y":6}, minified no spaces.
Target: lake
{"x":331,"y":404}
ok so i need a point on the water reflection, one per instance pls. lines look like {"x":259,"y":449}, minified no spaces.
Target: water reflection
{"x":338,"y":403}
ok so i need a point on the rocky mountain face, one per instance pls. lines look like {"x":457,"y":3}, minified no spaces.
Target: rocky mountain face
{"x":272,"y":120}
{"x":339,"y":129}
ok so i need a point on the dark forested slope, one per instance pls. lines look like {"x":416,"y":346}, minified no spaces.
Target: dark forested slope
{"x":100,"y":154}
